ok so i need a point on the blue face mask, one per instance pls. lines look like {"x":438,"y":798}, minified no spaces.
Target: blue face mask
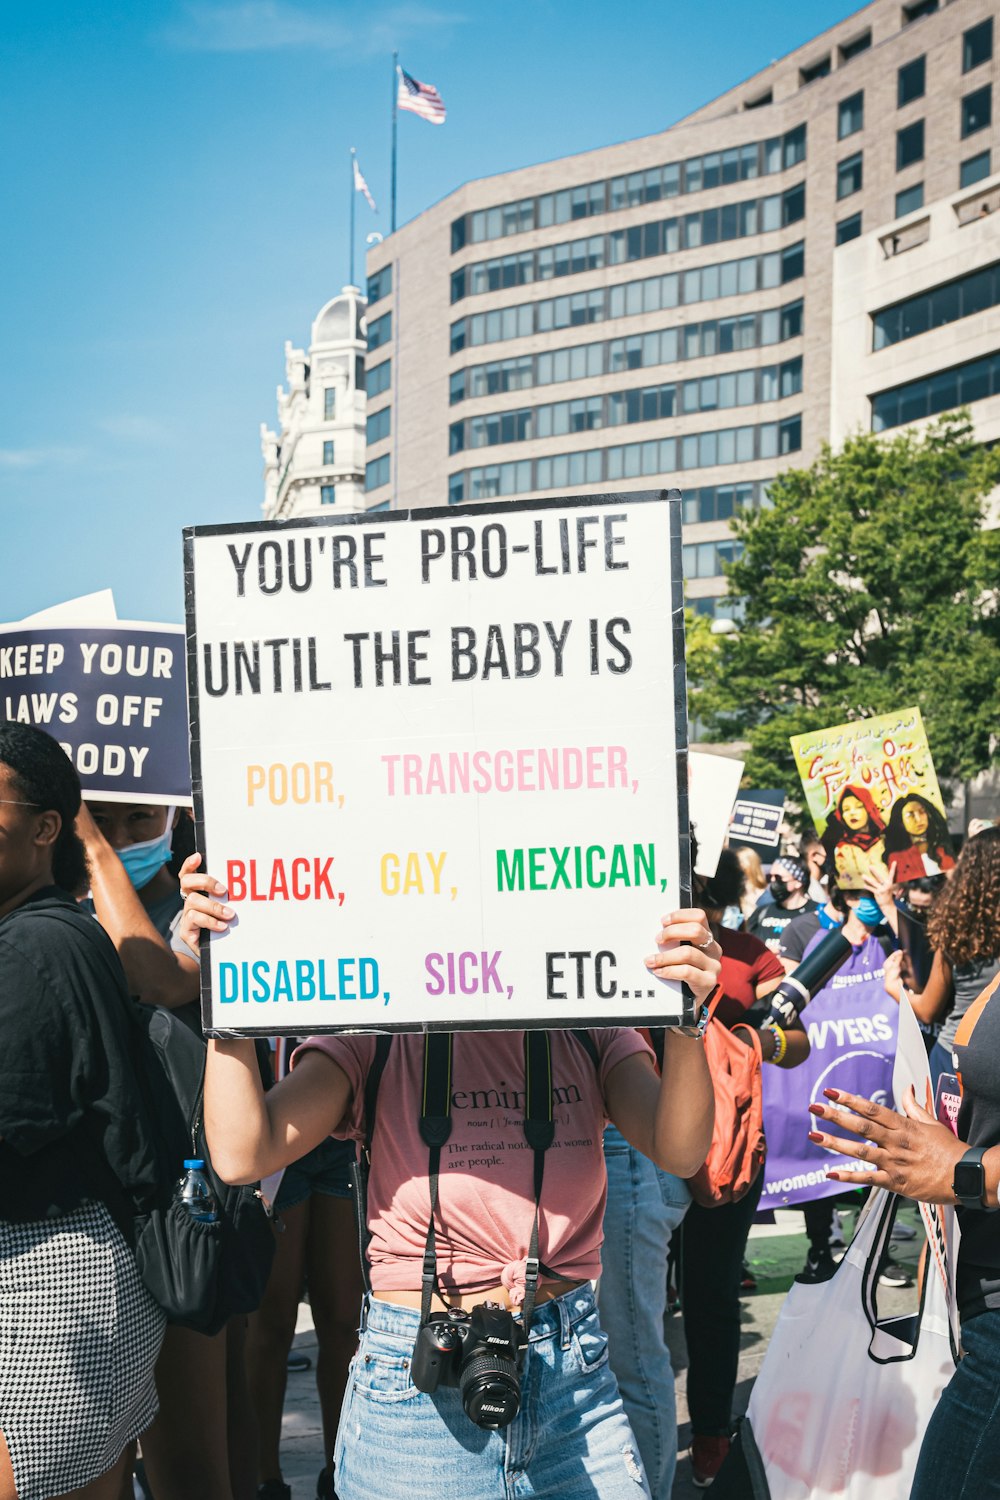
{"x":143,"y":861}
{"x":870,"y":912}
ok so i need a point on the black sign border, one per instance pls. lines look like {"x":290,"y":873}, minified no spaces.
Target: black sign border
{"x":672,"y":498}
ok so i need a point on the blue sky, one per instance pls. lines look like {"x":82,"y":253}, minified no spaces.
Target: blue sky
{"x":175,"y":181}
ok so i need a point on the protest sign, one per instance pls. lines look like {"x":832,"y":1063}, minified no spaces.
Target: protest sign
{"x":873,"y":795}
{"x":756,"y":822}
{"x":113,"y":696}
{"x":440,"y":763}
{"x":851,"y":1026}
{"x":713,"y":781}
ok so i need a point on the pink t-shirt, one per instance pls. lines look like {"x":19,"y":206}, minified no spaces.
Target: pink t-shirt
{"x":486,"y":1200}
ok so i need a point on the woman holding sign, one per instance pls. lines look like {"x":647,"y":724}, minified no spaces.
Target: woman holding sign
{"x":79,"y":1333}
{"x":501,"y":1236}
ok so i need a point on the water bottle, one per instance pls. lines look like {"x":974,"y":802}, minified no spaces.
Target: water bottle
{"x":195,"y":1194}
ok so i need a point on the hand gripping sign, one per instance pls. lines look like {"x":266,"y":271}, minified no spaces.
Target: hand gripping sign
{"x":440,"y":764}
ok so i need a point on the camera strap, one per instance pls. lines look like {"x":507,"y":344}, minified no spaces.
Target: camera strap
{"x":435,"y":1129}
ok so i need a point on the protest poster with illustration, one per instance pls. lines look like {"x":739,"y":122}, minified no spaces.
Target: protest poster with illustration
{"x":873,"y":794}
{"x":851,"y":1024}
{"x":439,"y":761}
{"x":112,"y":694}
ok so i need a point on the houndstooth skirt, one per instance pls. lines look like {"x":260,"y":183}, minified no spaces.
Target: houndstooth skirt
{"x":79,"y":1336}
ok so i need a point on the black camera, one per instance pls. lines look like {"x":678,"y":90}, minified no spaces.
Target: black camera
{"x":477,"y":1351}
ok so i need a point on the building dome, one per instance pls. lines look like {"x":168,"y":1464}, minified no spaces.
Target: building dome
{"x":340,"y":320}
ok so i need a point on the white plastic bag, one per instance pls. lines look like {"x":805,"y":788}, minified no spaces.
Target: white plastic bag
{"x":842,"y":1401}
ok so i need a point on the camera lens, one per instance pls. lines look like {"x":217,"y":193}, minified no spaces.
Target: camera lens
{"x":491,"y":1391}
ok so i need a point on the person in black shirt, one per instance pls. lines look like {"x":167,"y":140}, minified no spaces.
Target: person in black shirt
{"x":787,"y":880}
{"x":79,"y":1333}
{"x":915,"y":1155}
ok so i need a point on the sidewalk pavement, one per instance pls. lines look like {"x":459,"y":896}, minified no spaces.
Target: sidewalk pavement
{"x":775,"y":1253}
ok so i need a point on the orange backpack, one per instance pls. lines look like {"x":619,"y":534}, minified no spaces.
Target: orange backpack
{"x":738,"y":1147}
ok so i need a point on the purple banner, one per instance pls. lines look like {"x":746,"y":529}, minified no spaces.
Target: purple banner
{"x":852,"y":1034}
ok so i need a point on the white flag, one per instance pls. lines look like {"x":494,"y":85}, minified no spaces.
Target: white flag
{"x":361,"y":186}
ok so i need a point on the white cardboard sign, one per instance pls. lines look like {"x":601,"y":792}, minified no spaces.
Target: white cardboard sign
{"x":439,"y":761}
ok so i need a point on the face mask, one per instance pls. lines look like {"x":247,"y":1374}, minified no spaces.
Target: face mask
{"x":779,"y":890}
{"x":143,"y":861}
{"x":869,"y":911}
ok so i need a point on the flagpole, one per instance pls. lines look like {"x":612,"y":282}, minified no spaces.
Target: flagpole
{"x":354,"y":194}
{"x":395,"y":96}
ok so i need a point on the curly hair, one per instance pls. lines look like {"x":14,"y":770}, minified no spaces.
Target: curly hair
{"x":44,"y":775}
{"x":964,"y":922}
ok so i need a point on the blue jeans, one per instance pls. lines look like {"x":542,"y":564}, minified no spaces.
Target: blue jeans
{"x":645,"y":1206}
{"x":960,"y":1454}
{"x":570,"y":1441}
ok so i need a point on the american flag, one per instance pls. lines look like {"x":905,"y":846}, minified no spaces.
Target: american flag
{"x":422,"y":98}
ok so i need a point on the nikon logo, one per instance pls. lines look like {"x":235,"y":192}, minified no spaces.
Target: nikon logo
{"x":491,"y":1338}
{"x":489,"y":1406}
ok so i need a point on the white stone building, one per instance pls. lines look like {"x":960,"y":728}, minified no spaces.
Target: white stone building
{"x":316,"y":459}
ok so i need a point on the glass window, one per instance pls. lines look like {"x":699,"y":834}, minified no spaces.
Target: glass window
{"x":849,"y":176}
{"x":792,"y":263}
{"x":850,"y":115}
{"x":791,"y":320}
{"x":911,"y":81}
{"x":977,"y":45}
{"x":793,"y":205}
{"x":379,"y":332}
{"x":377,"y":473}
{"x":859,"y":44}
{"x":909,"y":200}
{"x":380,"y":282}
{"x":328,"y":457}
{"x":815,"y":70}
{"x":329,"y":403}
{"x":848,"y":229}
{"x":328,"y":494}
{"x":909,"y":145}
{"x":794,"y":147}
{"x":974,"y":169}
{"x":378,"y":377}
{"x":977,"y":111}
{"x":378,"y":425}
{"x":456,"y":489}
{"x":917,"y":8}
{"x":973,"y":381}
{"x":458,"y":235}
{"x":963,"y":298}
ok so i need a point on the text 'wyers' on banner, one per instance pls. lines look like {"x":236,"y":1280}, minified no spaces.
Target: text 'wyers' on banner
{"x":439,"y":761}
{"x":114,"y":697}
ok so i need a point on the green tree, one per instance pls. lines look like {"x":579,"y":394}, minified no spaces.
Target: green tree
{"x":870,"y":584}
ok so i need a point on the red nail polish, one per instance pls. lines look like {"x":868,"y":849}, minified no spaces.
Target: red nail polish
{"x":832,"y":1093}
{"x":814,"y":1135}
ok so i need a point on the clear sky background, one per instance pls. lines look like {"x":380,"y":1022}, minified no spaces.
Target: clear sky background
{"x":175,"y":205}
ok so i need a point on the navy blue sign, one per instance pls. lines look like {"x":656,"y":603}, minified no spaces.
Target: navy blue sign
{"x":756,"y":821}
{"x":114,"y":696}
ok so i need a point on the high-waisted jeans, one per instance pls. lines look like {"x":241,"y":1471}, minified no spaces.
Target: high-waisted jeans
{"x":645,"y":1207}
{"x":570,"y":1441}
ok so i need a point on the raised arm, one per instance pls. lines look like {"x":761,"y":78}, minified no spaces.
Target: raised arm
{"x":154,"y":975}
{"x":252,"y":1134}
{"x":670,"y":1120}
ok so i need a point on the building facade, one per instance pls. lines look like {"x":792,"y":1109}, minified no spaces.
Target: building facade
{"x":702,"y":307}
{"x":316,"y":458}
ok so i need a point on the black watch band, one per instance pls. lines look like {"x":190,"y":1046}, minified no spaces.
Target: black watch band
{"x":969,"y":1181}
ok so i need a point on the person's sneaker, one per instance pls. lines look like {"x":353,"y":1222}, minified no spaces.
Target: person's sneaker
{"x":324,"y":1485}
{"x":818,"y":1267}
{"x":708,"y":1454}
{"x":902,"y":1231}
{"x":297,"y":1363}
{"x":274,"y":1489}
{"x":892,"y":1273}
{"x":748,"y":1281}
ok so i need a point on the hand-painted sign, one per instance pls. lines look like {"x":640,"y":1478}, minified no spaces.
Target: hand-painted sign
{"x":874,"y":797}
{"x":439,"y":762}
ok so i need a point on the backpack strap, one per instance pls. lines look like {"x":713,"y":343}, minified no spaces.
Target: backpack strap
{"x":590,"y":1047}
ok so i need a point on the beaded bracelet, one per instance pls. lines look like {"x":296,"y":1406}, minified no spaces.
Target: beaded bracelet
{"x":780,"y":1042}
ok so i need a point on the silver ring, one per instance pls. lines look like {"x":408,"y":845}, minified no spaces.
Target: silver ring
{"x":705,"y":945}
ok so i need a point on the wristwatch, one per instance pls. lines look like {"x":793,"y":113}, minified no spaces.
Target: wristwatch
{"x":969,"y":1183}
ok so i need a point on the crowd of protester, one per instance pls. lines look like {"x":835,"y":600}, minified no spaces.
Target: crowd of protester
{"x":102,"y":907}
